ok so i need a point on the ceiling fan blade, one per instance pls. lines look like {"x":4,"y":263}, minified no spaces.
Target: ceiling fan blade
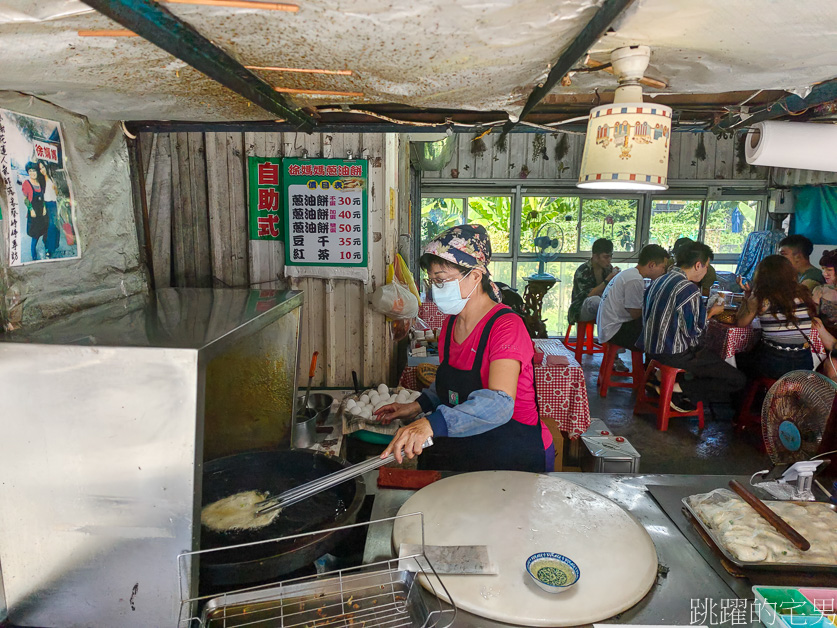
{"x":648,"y":82}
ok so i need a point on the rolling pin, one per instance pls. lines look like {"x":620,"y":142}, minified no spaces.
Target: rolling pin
{"x":782,"y":526}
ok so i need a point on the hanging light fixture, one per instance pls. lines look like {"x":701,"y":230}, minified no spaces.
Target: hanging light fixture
{"x":627,"y":143}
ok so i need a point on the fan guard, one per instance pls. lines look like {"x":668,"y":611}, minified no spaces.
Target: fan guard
{"x":794,"y":415}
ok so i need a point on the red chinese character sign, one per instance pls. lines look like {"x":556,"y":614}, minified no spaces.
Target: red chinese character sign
{"x":325,"y":212}
{"x":33,"y":169}
{"x":265,"y":199}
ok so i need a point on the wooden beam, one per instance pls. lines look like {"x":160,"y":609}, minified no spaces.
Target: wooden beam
{"x":589,"y":35}
{"x":162,"y":28}
{"x":789,"y":105}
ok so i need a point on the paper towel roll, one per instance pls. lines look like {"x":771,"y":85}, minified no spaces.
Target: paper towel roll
{"x":803,"y":145}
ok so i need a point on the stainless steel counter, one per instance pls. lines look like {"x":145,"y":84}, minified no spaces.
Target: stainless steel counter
{"x":690,"y":580}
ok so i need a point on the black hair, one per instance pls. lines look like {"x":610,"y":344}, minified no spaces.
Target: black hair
{"x":829,"y":259}
{"x":798,"y":244}
{"x":428,"y":259}
{"x":690,"y":254}
{"x":652,"y":253}
{"x":680,"y":242}
{"x":32,"y":166}
{"x":602,"y":245}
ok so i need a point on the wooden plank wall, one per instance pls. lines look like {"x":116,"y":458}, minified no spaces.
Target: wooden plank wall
{"x":196,"y":189}
{"x":558,"y":156}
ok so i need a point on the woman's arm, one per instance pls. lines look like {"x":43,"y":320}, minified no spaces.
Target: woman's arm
{"x":747,"y":311}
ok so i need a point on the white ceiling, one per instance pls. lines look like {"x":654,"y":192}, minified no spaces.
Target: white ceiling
{"x":460,"y":54}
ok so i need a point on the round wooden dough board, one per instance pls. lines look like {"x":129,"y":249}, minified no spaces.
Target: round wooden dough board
{"x":519,"y":514}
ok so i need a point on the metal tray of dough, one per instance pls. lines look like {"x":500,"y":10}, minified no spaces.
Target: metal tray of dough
{"x":710,"y":532}
{"x":363,"y":599}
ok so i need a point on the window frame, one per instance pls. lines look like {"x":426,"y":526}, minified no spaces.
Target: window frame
{"x":706,"y":191}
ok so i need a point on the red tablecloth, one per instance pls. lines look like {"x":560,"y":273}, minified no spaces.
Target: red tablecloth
{"x":727,"y":340}
{"x":430,"y":314}
{"x":562,"y":393}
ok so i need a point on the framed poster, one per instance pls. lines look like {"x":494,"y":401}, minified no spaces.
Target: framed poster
{"x":325,"y":212}
{"x":41,"y":211}
{"x":265,"y":201}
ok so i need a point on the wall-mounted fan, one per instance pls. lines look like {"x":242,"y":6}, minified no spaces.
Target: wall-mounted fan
{"x":549,"y":241}
{"x":795,"y":414}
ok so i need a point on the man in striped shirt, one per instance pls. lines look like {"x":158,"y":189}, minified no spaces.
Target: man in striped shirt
{"x":673,"y":319}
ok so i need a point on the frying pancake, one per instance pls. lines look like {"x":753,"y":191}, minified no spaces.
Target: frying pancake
{"x":237,"y":512}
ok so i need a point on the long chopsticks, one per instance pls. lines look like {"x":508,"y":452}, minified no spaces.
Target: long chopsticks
{"x":782,"y":526}
{"x":304,"y":491}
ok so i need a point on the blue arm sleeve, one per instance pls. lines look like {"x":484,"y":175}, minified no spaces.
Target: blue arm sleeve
{"x":484,"y":410}
{"x":428,"y":399}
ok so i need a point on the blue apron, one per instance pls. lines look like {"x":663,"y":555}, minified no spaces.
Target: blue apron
{"x":512,"y":446}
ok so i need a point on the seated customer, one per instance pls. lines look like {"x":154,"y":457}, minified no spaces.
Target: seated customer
{"x":829,"y":343}
{"x":710,"y":276}
{"x":797,"y":249}
{"x":620,"y":313}
{"x":785,"y":308}
{"x":673,"y":319}
{"x":589,"y":282}
{"x":825,"y":296}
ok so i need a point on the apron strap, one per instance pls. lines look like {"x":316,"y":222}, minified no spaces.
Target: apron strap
{"x":486,"y":332}
{"x":446,"y":352}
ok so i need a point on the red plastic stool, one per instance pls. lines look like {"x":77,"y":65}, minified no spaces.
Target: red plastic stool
{"x":584,"y":336}
{"x":662,"y":406}
{"x":745,"y":417}
{"x":606,"y":372}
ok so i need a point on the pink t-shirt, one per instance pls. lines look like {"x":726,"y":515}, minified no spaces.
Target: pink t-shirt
{"x":508,"y":340}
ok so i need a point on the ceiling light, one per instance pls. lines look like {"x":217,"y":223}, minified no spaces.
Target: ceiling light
{"x":241,"y":4}
{"x":114,"y":32}
{"x":316,"y":92}
{"x":627,"y":143}
{"x":268,"y":68}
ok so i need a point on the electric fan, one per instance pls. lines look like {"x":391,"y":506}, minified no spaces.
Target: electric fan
{"x":549,"y":241}
{"x":795,"y":414}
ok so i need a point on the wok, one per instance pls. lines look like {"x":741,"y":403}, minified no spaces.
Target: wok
{"x":272,"y":472}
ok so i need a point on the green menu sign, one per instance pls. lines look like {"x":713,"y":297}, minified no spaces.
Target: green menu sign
{"x":324,"y":212}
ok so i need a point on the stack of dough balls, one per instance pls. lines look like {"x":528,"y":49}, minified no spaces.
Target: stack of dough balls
{"x":375,"y":398}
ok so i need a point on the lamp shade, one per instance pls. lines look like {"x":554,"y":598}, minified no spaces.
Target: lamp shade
{"x":626,"y":147}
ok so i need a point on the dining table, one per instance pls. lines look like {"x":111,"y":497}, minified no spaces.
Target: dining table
{"x":728,"y":340}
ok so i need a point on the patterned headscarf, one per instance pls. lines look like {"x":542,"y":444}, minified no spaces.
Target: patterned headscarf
{"x":464,"y":245}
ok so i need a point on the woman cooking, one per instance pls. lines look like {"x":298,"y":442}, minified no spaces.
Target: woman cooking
{"x":481,"y":410}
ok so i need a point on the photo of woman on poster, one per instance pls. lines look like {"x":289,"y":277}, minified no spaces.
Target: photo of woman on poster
{"x":34,"y":169}
{"x":51,"y":205}
{"x":37,"y":221}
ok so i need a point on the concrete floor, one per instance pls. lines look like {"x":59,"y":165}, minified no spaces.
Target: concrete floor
{"x":683,"y":448}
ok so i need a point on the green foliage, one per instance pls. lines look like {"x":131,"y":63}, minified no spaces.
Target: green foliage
{"x":438,"y":214}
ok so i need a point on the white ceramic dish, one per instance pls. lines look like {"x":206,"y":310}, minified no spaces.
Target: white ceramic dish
{"x":554,"y":573}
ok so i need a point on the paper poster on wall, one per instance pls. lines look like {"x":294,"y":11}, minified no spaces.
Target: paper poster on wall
{"x":325,"y":212}
{"x":39,"y":198}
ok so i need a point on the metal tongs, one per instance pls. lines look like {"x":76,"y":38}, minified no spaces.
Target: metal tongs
{"x":296,"y":495}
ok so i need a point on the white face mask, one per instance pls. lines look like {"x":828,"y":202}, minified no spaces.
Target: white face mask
{"x":448,"y":298}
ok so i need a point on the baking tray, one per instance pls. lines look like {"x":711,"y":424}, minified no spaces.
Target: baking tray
{"x":378,"y":598}
{"x":761,"y":566}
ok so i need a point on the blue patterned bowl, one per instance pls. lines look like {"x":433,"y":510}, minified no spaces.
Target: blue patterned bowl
{"x":552,"y":572}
